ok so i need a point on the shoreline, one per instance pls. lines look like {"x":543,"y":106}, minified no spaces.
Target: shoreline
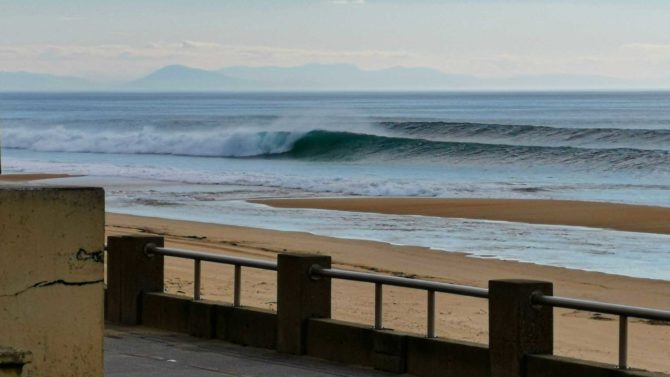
{"x":29,"y":177}
{"x":578,"y":334}
{"x":604,"y":215}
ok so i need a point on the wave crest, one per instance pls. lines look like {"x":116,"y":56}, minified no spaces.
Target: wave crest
{"x":148,"y":140}
{"x":324,"y":145}
{"x":529,"y":135}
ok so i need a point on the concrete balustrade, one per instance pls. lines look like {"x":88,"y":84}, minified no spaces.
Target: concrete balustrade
{"x":131,"y":272}
{"x":516,"y":327}
{"x":520,"y":344}
{"x":299,"y":298}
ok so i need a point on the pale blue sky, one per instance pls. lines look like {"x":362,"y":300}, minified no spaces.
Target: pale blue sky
{"x":126,"y":39}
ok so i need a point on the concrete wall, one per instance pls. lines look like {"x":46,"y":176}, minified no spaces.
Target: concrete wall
{"x":395,"y":351}
{"x":556,"y":366}
{"x":446,"y":357}
{"x":353,"y":343}
{"x":207,"y":319}
{"x":340,"y":341}
{"x":51,"y":278}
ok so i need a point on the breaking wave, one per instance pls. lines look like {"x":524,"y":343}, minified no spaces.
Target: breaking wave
{"x":435,"y":142}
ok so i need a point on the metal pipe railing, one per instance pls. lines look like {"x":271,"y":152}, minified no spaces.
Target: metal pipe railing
{"x":196,"y":279}
{"x":431,"y":287}
{"x":198,"y":257}
{"x":623,"y":311}
{"x":379,"y":297}
{"x":601,"y":307}
{"x":237,"y":282}
{"x":430,"y":316}
{"x":398,"y":281}
{"x":210,"y":257}
{"x":623,"y":342}
{"x":380,"y":280}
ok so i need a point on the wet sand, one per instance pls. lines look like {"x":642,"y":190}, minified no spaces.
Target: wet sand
{"x":30,"y":177}
{"x":635,"y":218}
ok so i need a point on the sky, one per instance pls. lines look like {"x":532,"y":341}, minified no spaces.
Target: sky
{"x":123,"y":40}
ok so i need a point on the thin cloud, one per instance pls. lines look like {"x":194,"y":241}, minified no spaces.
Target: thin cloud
{"x":347,"y":2}
{"x":649,"y":50}
{"x":187,"y":48}
{"x":72,"y":18}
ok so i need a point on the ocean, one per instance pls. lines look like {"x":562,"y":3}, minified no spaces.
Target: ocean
{"x":200,"y":156}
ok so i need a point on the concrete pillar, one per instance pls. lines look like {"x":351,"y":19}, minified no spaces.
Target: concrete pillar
{"x":517,"y":328}
{"x":51,"y":279}
{"x":130,"y":272}
{"x":299,"y":297}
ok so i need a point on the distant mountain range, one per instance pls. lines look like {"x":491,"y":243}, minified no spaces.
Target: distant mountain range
{"x":342,"y":77}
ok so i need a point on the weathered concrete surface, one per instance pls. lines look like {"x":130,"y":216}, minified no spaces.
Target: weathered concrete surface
{"x":390,"y":351}
{"x":556,"y":366}
{"x":440,"y":357}
{"x":51,"y":278}
{"x":299,"y":298}
{"x":340,"y":341}
{"x":130,"y":273}
{"x":516,"y":327}
{"x":139,"y":351}
{"x":209,"y":319}
{"x":246,"y":326}
{"x":166,"y":311}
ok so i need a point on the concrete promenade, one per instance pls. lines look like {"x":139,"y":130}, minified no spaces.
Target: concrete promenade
{"x":140,"y":351}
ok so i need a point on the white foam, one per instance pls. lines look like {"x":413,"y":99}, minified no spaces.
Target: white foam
{"x":372,"y":186}
{"x":224,"y":140}
{"x":148,"y":140}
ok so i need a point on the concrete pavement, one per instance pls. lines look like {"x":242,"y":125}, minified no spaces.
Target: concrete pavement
{"x":140,"y":351}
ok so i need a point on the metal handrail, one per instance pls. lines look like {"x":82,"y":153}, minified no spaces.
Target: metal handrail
{"x":431,"y":287}
{"x":601,"y":307}
{"x":199,"y":256}
{"x":623,"y":311}
{"x":380,"y":280}
{"x":210,"y":257}
{"x":398,"y":281}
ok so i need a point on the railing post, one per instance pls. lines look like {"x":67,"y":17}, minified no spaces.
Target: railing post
{"x":130,"y":272}
{"x":299,"y":297}
{"x":237,"y":286}
{"x":623,"y":342}
{"x":197,"y":272}
{"x":379,"y":306}
{"x":516,"y":327}
{"x":430,"y":315}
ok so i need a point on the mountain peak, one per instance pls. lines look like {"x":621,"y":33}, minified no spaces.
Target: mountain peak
{"x":184,"y":78}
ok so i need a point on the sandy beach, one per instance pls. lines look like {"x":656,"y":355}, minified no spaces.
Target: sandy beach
{"x":578,"y":334}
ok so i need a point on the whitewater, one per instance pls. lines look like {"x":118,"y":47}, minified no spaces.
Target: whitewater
{"x":200,"y":156}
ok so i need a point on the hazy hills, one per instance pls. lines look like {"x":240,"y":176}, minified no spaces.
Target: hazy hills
{"x":342,"y":77}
